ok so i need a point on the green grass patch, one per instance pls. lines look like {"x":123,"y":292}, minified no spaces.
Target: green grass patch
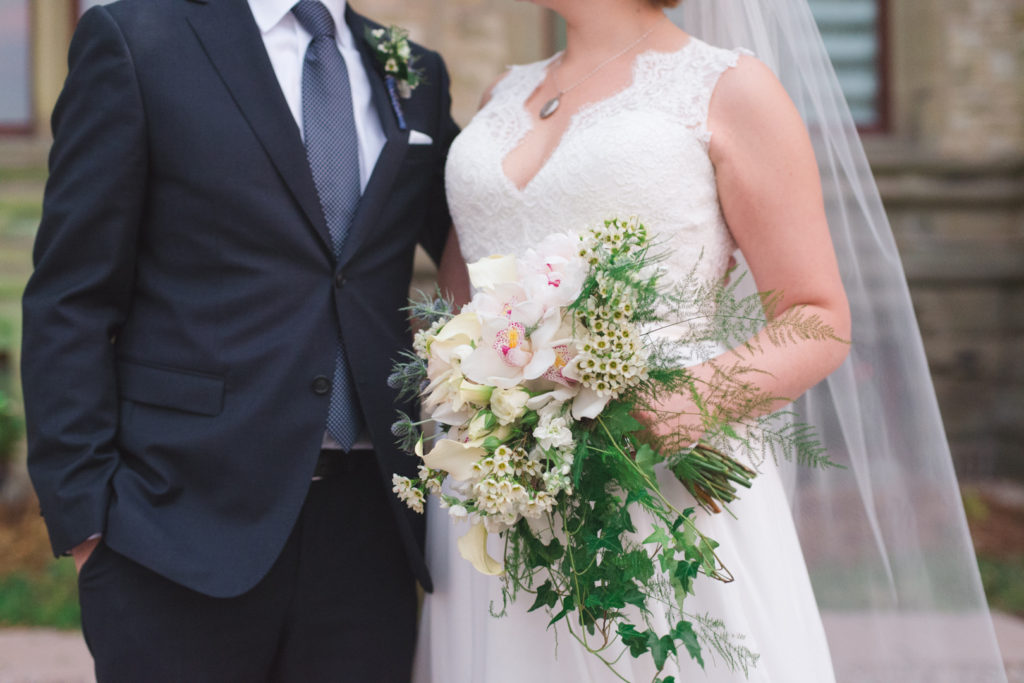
{"x":31,"y":173}
{"x":19,"y":217}
{"x":46,"y":598}
{"x":1004,"y":583}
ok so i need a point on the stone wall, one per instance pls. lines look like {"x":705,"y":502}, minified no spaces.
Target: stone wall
{"x":951,"y":171}
{"x":959,"y":75}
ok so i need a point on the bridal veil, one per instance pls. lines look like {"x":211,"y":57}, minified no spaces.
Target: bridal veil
{"x":885,"y":539}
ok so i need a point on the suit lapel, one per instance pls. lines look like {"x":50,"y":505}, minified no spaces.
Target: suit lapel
{"x":378,"y":188}
{"x":233,"y":43}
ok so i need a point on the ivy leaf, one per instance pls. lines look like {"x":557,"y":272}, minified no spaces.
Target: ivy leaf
{"x":558,"y":617}
{"x":646,"y":458}
{"x":635,"y":564}
{"x":634,"y":596}
{"x":659,"y":535}
{"x":660,"y":648}
{"x":541,"y":555}
{"x":546,"y":597}
{"x":633,"y":639}
{"x":684,"y":632}
{"x":642,"y":496}
{"x":618,"y":418}
{"x":605,"y":599}
{"x":602,"y":540}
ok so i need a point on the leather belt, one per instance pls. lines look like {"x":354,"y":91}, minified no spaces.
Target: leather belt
{"x":334,"y":463}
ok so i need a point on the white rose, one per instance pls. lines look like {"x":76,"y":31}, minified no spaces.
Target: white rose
{"x":508,"y":405}
{"x":480,"y":426}
{"x":477,"y":394}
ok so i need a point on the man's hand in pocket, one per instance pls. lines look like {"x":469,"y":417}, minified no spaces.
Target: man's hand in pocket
{"x":81,"y":552}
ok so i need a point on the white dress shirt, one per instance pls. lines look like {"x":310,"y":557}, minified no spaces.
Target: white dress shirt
{"x":286,"y":42}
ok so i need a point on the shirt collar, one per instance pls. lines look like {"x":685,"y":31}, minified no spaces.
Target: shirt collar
{"x":270,"y":13}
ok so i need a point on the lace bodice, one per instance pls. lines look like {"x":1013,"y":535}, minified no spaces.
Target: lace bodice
{"x":641,"y":152}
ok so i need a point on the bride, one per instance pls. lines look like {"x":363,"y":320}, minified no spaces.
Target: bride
{"x":638,"y":118}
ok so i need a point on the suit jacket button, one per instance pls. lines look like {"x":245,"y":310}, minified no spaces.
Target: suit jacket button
{"x":339,"y":280}
{"x":321,"y":385}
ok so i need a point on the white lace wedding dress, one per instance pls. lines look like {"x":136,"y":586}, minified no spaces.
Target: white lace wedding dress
{"x":642,"y":152}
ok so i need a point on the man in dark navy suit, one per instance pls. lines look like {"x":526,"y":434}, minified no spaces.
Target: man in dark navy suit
{"x":236,"y":191}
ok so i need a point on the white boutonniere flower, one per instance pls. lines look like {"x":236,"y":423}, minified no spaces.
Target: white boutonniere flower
{"x":391,"y":47}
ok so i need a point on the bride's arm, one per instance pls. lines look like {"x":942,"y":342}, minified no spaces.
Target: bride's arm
{"x":452,"y":276}
{"x":771,"y":197}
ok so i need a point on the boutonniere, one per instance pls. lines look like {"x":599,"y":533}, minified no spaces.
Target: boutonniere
{"x":391,"y":48}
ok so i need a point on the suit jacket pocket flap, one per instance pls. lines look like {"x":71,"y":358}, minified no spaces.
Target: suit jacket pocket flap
{"x":190,"y":392}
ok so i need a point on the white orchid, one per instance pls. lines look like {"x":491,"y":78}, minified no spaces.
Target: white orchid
{"x":553,"y":273}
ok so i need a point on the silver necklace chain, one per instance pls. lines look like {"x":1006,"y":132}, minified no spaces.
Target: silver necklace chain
{"x":551,"y":105}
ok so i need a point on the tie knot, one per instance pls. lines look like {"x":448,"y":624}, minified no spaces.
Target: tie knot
{"x":314,"y":17}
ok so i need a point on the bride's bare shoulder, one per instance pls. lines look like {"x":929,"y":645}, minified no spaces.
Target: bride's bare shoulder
{"x":749,"y":103}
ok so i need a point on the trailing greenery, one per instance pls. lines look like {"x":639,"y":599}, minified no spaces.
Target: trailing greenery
{"x":590,"y":536}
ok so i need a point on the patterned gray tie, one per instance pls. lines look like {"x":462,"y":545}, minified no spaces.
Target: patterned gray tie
{"x":332,"y":147}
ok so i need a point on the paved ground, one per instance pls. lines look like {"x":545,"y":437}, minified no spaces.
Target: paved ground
{"x":46,"y":656}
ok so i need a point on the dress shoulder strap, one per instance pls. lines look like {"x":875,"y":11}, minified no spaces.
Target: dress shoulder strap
{"x":697,"y":72}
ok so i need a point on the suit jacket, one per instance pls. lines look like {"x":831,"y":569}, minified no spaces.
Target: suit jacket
{"x":181,"y":322}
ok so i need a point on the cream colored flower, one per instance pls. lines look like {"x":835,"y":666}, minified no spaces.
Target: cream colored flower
{"x":476,"y":394}
{"x":492,"y":270}
{"x":454,"y":457}
{"x":482,"y":424}
{"x":473,"y":548}
{"x":508,"y":405}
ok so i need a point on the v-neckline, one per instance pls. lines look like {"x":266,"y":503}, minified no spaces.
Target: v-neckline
{"x":531,"y":123}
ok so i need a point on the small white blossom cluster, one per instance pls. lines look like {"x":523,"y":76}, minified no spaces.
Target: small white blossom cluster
{"x":407,"y":492}
{"x":615,"y":238}
{"x":421,"y":340}
{"x":509,"y":484}
{"x":612,"y":357}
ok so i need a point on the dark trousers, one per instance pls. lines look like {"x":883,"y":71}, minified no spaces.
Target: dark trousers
{"x":339,"y":604}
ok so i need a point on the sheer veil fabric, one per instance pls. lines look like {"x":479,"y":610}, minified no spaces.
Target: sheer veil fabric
{"x":885,"y":539}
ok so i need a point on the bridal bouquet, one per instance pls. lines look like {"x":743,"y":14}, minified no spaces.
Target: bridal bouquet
{"x":536,"y":384}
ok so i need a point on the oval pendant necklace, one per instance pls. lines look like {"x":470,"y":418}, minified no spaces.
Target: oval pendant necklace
{"x":551,"y":106}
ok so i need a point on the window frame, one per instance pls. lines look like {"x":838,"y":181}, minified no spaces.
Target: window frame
{"x":28,"y":126}
{"x":884,"y":121}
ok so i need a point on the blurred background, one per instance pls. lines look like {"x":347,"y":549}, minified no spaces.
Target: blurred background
{"x":937,"y":89}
